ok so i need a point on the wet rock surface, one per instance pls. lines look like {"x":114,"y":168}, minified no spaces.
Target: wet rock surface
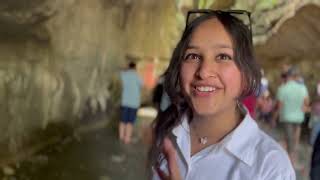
{"x":96,"y":155}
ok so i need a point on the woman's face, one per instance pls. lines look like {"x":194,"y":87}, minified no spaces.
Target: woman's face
{"x":209,"y":75}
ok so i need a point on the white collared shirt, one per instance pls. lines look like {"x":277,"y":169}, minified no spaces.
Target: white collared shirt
{"x":247,"y":153}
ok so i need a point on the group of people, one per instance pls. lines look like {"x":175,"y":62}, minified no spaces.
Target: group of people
{"x":287,"y":109}
{"x":204,"y":131}
{"x":293,"y":101}
{"x":261,"y":103}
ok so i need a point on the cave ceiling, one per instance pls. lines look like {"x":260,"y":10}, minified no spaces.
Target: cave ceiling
{"x":283,"y":29}
{"x":297,"y":39}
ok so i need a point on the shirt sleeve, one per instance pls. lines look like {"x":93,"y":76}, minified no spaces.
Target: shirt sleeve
{"x":305,"y":92}
{"x":278,"y":167}
{"x":283,"y":176}
{"x":139,"y":80}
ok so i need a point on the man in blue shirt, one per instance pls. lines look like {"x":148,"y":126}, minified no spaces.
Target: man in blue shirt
{"x":130,"y":101}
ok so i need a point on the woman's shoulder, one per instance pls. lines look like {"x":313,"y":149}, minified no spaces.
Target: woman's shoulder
{"x":272,"y":160}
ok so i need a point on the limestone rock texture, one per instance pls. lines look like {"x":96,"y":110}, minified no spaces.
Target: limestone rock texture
{"x":56,"y":57}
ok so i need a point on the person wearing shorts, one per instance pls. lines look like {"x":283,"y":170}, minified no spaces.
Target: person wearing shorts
{"x":128,"y":114}
{"x":293,"y":100}
{"x":130,"y":102}
{"x":291,"y":134}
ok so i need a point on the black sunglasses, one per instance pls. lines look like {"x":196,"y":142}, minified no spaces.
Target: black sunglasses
{"x":242,"y":15}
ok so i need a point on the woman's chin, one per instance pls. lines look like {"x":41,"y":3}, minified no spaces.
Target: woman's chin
{"x":204,"y":112}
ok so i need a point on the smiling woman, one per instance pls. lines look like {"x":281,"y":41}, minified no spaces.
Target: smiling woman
{"x":211,"y":70}
{"x":207,"y":67}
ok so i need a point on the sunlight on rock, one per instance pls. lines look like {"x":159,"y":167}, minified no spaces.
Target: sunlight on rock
{"x":149,"y":112}
{"x":8,"y":171}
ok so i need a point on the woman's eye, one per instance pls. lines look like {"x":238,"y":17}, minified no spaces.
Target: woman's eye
{"x":224,"y":57}
{"x":192,"y":56}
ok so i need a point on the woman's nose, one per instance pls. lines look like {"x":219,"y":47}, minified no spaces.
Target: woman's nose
{"x":206,"y":69}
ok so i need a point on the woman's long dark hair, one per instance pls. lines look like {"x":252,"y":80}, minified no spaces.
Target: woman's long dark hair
{"x":244,"y":59}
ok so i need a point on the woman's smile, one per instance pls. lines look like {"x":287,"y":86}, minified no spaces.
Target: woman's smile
{"x":205,"y":90}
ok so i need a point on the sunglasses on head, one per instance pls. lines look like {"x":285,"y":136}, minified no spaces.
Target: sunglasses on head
{"x":242,"y":15}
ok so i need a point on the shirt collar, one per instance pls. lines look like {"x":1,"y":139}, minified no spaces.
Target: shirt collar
{"x":241,"y":142}
{"x":244,"y":140}
{"x":183,"y":126}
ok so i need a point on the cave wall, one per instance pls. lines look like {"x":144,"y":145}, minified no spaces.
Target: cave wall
{"x":52,"y":64}
{"x":60,"y":59}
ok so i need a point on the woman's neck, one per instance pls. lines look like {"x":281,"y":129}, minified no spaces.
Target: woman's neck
{"x":215,"y":127}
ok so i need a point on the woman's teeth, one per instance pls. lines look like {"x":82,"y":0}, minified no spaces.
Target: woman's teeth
{"x":205,"y":88}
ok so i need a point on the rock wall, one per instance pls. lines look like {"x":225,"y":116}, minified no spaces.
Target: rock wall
{"x":56,"y":57}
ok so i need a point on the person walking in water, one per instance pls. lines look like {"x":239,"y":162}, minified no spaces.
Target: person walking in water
{"x":130,"y":101}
